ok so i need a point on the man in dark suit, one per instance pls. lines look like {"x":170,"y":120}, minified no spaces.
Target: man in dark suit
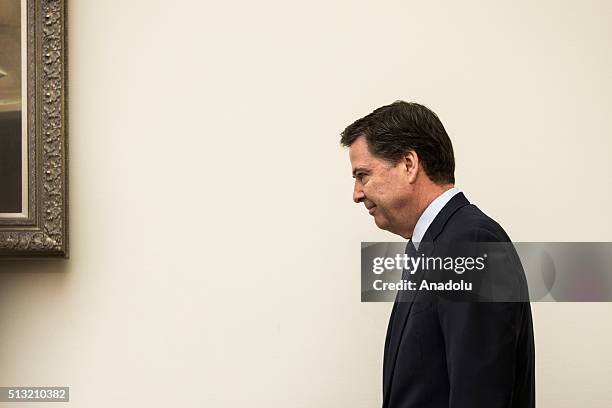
{"x":440,"y":351}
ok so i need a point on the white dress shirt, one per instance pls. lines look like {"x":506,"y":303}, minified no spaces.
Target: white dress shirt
{"x":429,"y":214}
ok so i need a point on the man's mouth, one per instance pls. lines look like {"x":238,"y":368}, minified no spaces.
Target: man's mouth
{"x":371,"y":210}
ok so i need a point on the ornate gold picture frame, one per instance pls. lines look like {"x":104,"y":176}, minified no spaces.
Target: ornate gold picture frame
{"x":33,"y":129}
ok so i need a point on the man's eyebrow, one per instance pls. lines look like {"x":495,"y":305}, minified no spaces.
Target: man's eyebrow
{"x":358,"y":169}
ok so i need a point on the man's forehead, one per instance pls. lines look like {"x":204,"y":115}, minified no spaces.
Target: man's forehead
{"x":358,"y":151}
{"x":362,"y":159}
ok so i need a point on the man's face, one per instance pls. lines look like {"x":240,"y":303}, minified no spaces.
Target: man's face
{"x":384,"y":188}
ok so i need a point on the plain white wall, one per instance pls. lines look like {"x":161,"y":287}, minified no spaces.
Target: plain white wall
{"x":215,"y":247}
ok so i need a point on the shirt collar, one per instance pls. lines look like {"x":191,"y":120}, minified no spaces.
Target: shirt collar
{"x":430,"y":214}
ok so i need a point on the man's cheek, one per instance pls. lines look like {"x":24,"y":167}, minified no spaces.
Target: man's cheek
{"x":373,"y":195}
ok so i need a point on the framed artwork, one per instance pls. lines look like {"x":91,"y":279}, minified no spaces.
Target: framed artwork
{"x":33,"y":129}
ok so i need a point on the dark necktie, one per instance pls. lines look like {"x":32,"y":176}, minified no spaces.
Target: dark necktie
{"x":407,"y":273}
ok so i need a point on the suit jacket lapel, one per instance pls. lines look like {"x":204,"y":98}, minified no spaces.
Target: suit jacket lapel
{"x":397,"y":323}
{"x":401,"y":309}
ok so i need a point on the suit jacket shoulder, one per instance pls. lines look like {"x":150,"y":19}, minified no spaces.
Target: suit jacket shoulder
{"x":469,"y":223}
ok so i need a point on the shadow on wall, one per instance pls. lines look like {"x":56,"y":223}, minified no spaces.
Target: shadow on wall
{"x":39,"y":280}
{"x":36,"y":315}
{"x":27,"y":266}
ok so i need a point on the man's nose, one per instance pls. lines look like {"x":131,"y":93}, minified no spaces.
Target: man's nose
{"x":358,"y":194}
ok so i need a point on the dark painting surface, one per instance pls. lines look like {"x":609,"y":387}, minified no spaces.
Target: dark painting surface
{"x":10,"y":162}
{"x":10,"y":107}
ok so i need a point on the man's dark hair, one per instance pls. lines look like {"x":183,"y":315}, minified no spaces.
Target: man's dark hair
{"x":392,"y":130}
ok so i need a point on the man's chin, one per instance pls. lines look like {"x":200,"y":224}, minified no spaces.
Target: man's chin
{"x":381,"y":222}
{"x":384,"y":224}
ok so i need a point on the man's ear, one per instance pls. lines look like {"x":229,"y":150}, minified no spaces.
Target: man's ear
{"x":410,"y":161}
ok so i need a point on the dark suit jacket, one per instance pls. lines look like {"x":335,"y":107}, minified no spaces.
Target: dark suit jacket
{"x":441,"y":352}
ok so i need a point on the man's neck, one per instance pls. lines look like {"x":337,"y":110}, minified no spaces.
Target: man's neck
{"x":426,"y":196}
